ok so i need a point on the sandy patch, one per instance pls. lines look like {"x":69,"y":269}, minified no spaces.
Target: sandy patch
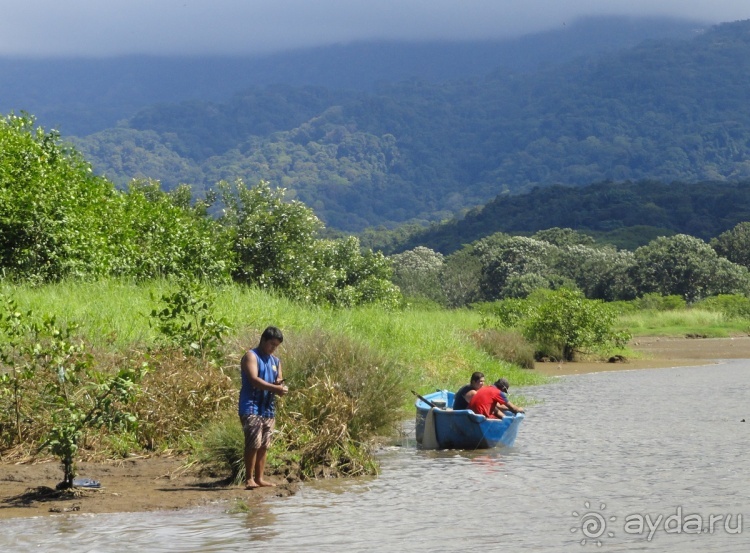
{"x":659,"y":353}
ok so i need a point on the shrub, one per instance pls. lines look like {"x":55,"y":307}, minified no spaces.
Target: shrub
{"x":657,"y":302}
{"x":363,"y":375}
{"x":733,"y":306}
{"x":52,"y":392}
{"x":342,"y":394}
{"x":564,"y":322}
{"x":187,"y":321}
{"x":179,"y":395}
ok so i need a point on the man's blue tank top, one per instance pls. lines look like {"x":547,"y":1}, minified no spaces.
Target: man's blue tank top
{"x":254,"y":401}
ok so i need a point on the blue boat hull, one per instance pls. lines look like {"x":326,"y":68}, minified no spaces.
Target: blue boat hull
{"x":462,"y":429}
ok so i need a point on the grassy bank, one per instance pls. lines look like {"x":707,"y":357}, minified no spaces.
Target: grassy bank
{"x":432,"y":347}
{"x":683,"y":322}
{"x":350,"y":370}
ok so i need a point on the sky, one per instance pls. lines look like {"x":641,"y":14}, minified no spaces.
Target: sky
{"x":102,"y":28}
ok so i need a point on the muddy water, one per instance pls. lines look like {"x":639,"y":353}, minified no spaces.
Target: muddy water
{"x":635,"y":461}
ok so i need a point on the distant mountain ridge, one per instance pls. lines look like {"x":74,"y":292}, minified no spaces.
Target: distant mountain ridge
{"x":626,"y":214}
{"x":82,"y":96}
{"x":666,"y":110}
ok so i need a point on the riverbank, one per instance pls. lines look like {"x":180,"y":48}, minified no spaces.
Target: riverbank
{"x":660,"y":352}
{"x":137,"y":484}
{"x":164,"y":483}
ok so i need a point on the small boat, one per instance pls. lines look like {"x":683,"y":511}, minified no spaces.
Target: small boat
{"x":440,"y":427}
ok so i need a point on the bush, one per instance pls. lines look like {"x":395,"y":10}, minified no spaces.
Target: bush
{"x":733,"y":306}
{"x":564,"y":323}
{"x":179,"y":395}
{"x":344,"y":394}
{"x":657,"y":302}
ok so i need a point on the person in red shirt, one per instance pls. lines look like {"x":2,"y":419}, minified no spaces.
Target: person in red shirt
{"x":490,"y":401}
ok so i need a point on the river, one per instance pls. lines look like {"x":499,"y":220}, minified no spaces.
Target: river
{"x":648,"y":460}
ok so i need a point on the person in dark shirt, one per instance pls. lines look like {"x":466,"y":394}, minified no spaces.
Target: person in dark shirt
{"x":464,"y":395}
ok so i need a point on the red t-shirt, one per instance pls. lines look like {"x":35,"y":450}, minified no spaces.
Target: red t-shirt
{"x":483,"y":402}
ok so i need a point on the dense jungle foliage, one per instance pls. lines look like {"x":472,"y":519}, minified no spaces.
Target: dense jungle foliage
{"x":502,"y":266}
{"x":58,"y":220}
{"x":669,"y":110}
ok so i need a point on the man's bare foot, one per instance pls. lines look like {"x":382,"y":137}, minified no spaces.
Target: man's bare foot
{"x":250,"y":485}
{"x":263,"y":483}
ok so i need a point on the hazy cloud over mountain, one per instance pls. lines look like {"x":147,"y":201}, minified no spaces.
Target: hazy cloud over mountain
{"x":114,"y":27}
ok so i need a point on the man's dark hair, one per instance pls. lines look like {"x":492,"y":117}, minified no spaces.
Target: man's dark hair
{"x":502,"y":384}
{"x":272,"y":333}
{"x":477,"y":376}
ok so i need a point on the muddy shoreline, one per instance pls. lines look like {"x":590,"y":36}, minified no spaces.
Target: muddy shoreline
{"x":165,"y":483}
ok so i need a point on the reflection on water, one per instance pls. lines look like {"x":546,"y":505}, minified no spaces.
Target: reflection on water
{"x":600,"y":449}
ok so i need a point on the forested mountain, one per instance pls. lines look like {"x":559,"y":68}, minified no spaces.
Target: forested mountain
{"x":82,"y":96}
{"x":626,"y":214}
{"x":670,"y":110}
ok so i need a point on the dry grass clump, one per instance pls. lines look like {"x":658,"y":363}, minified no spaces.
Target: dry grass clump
{"x":506,"y":345}
{"x":178,"y":395}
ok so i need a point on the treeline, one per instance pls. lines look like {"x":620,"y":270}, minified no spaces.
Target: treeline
{"x":626,"y":215}
{"x":58,"y":221}
{"x":667,"y":111}
{"x":502,"y":267}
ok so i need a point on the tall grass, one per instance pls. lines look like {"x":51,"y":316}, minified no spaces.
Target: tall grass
{"x":433,"y":347}
{"x":682,"y":322}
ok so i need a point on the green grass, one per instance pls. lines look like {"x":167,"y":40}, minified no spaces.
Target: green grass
{"x":434,"y":348}
{"x":681,"y":322}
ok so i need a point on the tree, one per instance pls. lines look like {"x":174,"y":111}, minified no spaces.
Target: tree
{"x":274,"y":240}
{"x":53,"y":211}
{"x":417,"y":273}
{"x":601,"y":273}
{"x":686,"y":266}
{"x":505,"y":259}
{"x":565,"y":322}
{"x":277,"y":248}
{"x":348,"y":276}
{"x":563,"y":237}
{"x":460,"y":277}
{"x":734,"y":244}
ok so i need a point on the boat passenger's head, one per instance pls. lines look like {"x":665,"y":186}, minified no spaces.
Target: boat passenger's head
{"x":502,"y":384}
{"x":477,"y":380}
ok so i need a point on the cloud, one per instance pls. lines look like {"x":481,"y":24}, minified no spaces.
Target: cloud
{"x":98,"y":28}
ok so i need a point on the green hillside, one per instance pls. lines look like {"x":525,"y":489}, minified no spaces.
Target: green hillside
{"x":669,"y":110}
{"x":625,"y":214}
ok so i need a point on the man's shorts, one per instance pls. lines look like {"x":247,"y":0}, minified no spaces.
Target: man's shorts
{"x":258,"y":431}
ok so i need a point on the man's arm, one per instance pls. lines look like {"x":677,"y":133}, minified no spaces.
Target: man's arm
{"x":249,"y":366}
{"x":510,"y":407}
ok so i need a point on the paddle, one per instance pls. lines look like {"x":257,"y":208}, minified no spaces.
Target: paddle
{"x":427,"y":401}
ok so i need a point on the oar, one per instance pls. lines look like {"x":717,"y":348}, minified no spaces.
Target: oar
{"x":427,"y":401}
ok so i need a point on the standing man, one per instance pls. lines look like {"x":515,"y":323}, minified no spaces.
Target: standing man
{"x":261,"y":382}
